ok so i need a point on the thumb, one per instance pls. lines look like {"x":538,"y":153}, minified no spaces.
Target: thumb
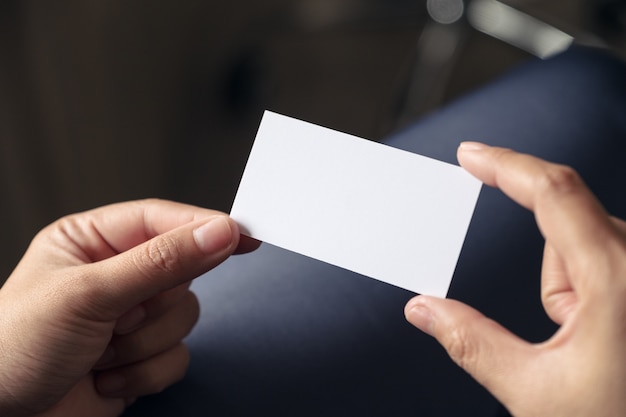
{"x":159,"y":264}
{"x":492,"y":355}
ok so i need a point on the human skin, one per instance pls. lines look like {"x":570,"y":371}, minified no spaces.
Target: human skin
{"x":581,"y":369}
{"x":105,"y":293}
{"x":94,"y":314}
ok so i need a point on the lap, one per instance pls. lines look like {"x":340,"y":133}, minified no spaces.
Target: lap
{"x":281,"y":334}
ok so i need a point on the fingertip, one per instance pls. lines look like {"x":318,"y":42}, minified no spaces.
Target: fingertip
{"x":468,"y":151}
{"x":471,"y":146}
{"x":216,"y":235}
{"x":419,"y":314}
{"x":413,"y":302}
{"x":481,"y":160}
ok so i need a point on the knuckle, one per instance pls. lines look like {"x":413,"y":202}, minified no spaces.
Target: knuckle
{"x":462,"y":349}
{"x":559,"y":179}
{"x":150,"y":201}
{"x":162,"y":253}
{"x":65,"y":232}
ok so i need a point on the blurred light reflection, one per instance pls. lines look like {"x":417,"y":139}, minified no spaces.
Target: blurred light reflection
{"x":516,"y":28}
{"x":445,"y":11}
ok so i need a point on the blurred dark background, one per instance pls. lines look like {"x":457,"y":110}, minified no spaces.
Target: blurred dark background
{"x":104,"y":101}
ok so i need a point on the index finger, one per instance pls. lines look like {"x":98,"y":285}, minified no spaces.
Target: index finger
{"x":110,"y":230}
{"x":126,"y":225}
{"x":567,"y":213}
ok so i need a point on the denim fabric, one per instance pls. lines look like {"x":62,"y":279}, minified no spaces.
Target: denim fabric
{"x":284,"y":335}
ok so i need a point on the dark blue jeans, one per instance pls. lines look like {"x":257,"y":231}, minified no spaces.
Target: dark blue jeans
{"x":283,"y":335}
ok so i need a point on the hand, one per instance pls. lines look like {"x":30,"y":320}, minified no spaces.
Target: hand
{"x":581,"y":370}
{"x":94,"y":314}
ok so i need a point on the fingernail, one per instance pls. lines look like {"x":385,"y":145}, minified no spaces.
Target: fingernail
{"x":110,"y":383}
{"x":129,"y":321}
{"x":472,"y":146}
{"x":214,"y":236}
{"x":420,"y":316}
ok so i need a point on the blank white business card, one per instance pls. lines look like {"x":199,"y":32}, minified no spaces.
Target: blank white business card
{"x":382,"y":212}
